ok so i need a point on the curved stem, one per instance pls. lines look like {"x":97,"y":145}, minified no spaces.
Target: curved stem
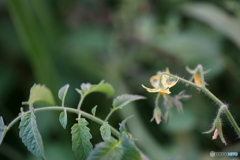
{"x":80,"y":102}
{"x":214,"y":98}
{"x":58,"y":108}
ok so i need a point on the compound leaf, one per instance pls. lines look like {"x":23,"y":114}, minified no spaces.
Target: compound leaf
{"x":30,"y":135}
{"x":81,"y":136}
{"x":108,"y":150}
{"x":122,"y":100}
{"x":105,"y":131}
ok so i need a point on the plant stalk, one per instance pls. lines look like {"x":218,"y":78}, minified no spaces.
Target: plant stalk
{"x":59,"y":108}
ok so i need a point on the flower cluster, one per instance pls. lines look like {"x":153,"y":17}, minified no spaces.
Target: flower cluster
{"x":163,"y":81}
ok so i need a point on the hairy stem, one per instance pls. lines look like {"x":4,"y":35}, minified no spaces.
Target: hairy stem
{"x":214,"y":98}
{"x":58,"y":108}
{"x":232,"y":121}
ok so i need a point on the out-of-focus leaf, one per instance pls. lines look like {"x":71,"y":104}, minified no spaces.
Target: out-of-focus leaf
{"x":106,"y":88}
{"x":40,"y":94}
{"x":215,"y":17}
{"x":108,"y":150}
{"x":124,"y":99}
{"x":130,"y":151}
{"x":62,"y":92}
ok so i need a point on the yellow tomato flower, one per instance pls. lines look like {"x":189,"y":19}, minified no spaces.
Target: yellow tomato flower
{"x":161,"y":83}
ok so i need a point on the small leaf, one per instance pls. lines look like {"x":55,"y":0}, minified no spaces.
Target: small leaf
{"x":40,"y":93}
{"x":30,"y":135}
{"x":63,"y":118}
{"x":105,"y":131}
{"x":101,"y":87}
{"x":108,"y":150}
{"x":123,"y":127}
{"x":2,"y":129}
{"x":130,"y":151}
{"x":85,"y":86}
{"x":94,"y":110}
{"x":81,"y":136}
{"x":62,"y":92}
{"x":124,"y":99}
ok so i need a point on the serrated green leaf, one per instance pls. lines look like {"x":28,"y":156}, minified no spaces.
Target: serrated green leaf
{"x":2,"y":129}
{"x":130,"y":151}
{"x":105,"y":131}
{"x":30,"y":135}
{"x":94,"y":110}
{"x":41,"y":94}
{"x":102,"y":87}
{"x":63,"y":118}
{"x":124,"y":99}
{"x":81,"y":136}
{"x":62,"y":92}
{"x":123,"y":127}
{"x":108,"y":150}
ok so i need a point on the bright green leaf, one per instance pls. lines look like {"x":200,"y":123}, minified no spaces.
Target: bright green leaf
{"x":130,"y":151}
{"x":2,"y":129}
{"x":81,"y":136}
{"x":30,"y":135}
{"x":40,"y":93}
{"x":108,"y":150}
{"x":63,"y":118}
{"x":101,"y":87}
{"x":124,"y":99}
{"x":94,"y":110}
{"x":62,"y":92}
{"x":105,"y":131}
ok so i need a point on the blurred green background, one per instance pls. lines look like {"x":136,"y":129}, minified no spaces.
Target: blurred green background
{"x":55,"y":42}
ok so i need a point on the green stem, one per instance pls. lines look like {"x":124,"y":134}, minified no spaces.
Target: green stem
{"x":232,"y":121}
{"x":109,"y":114}
{"x":214,"y":98}
{"x":58,"y":108}
{"x":157,"y":99}
{"x":80,"y":102}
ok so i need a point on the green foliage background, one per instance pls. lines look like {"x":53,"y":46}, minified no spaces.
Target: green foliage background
{"x":123,"y":42}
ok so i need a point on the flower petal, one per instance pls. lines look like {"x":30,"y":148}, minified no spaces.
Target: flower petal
{"x":156,"y":90}
{"x":154,"y":80}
